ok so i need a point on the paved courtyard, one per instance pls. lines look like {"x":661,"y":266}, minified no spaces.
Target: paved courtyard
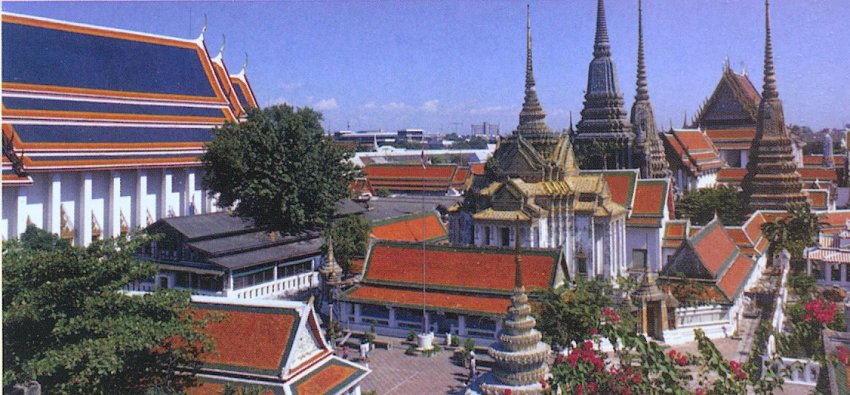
{"x":393,"y":372}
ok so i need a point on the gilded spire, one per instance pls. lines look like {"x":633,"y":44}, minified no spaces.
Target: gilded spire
{"x":642,"y":85}
{"x":531,"y":118}
{"x":601,"y":46}
{"x":769,"y":87}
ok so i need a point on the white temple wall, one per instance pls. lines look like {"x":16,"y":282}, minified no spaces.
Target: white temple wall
{"x":707,"y":180}
{"x":648,"y":239}
{"x":104,"y":193}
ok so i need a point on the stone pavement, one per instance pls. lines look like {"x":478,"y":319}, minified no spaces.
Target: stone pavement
{"x":393,"y":372}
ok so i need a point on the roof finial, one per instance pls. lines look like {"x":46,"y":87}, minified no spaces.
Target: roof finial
{"x":571,"y":122}
{"x":204,"y":28}
{"x":529,"y":70}
{"x":685,"y":120}
{"x":769,"y":73}
{"x":601,"y":46}
{"x":531,"y":117}
{"x":245,"y":63}
{"x":642,"y":85}
{"x":223,"y":42}
{"x":726,"y":65}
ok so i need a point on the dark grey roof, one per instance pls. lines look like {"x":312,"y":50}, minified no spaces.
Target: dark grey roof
{"x":245,"y":241}
{"x":207,"y":225}
{"x":399,"y":206}
{"x":348,"y":207}
{"x":304,"y":248}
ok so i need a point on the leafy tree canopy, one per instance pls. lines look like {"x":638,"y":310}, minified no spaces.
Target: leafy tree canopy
{"x":67,"y":325}
{"x":351,"y":239}
{"x":279,"y":169}
{"x":701,"y":205}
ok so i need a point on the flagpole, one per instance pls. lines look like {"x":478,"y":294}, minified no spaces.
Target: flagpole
{"x":424,"y":312}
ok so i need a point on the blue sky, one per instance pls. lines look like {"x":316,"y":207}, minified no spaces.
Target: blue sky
{"x":442,"y":65}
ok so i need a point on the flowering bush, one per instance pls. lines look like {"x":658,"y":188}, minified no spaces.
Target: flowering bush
{"x":820,"y":311}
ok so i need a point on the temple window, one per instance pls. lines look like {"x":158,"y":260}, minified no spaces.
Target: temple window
{"x":506,"y":236}
{"x":638,"y":259}
{"x":835,"y":273}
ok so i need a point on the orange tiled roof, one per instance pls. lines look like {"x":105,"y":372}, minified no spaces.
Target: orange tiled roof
{"x":435,"y":299}
{"x":410,"y":177}
{"x":650,"y":198}
{"x":731,"y":135}
{"x":356,"y":265}
{"x":818,"y":173}
{"x":674,"y":233}
{"x":240,"y":332}
{"x":423,"y":227}
{"x":734,"y":277}
{"x":477,"y":169}
{"x":211,"y":386}
{"x":458,"y":267}
{"x":817,"y":160}
{"x":819,"y":198}
{"x":621,"y":184}
{"x":694,"y":150}
{"x":714,"y":246}
{"x":331,"y":377}
{"x":460,"y":177}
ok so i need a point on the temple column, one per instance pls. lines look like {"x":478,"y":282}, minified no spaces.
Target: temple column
{"x":167,"y":182}
{"x":83,"y":220}
{"x":357,"y":318}
{"x":644,"y":321}
{"x":54,"y":201}
{"x":664,"y":323}
{"x":140,"y":217}
{"x":461,"y":325}
{"x":114,"y":221}
{"x":189,"y":198}
{"x":20,"y":212}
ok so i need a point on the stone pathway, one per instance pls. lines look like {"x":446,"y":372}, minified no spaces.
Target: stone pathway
{"x":393,"y":372}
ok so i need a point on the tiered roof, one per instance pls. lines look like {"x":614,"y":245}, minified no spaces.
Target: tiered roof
{"x":83,"y":97}
{"x":816,"y":160}
{"x":453,"y":276}
{"x":731,"y":139}
{"x":693,"y":149}
{"x":411,"y":177}
{"x":733,"y":104}
{"x":645,"y":199}
{"x":425,"y":227}
{"x":712,"y":257}
{"x":292,"y":358}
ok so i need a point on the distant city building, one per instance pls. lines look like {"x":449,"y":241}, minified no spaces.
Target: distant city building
{"x":371,"y":140}
{"x":485,"y":129}
{"x":411,"y":134}
{"x":103,"y":128}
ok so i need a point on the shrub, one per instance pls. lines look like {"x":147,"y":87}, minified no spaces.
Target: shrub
{"x":411,"y":336}
{"x":455,"y":341}
{"x":383,"y":192}
{"x":410,"y":351}
{"x":469,"y":344}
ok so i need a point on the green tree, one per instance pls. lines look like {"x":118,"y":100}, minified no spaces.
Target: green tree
{"x":702,"y":204}
{"x":279,"y":168}
{"x":798,"y":230}
{"x":351,"y":239}
{"x":67,"y":325}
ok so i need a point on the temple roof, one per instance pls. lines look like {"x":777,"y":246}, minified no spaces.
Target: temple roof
{"x":425,"y":227}
{"x":693,"y":149}
{"x":731,"y":139}
{"x":816,"y":160}
{"x":293,"y":356}
{"x":712,"y":254}
{"x":463,"y":279}
{"x":411,"y":177}
{"x":733,"y":104}
{"x":77,"y":96}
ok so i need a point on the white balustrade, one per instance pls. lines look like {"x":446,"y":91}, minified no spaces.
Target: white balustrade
{"x":282,"y":286}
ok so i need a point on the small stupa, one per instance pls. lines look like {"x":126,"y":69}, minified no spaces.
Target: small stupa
{"x":519,"y":356}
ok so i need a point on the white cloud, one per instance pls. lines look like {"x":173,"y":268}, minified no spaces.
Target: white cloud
{"x":326,"y":104}
{"x":290,"y":85}
{"x":370,"y":105}
{"x":430,"y":105}
{"x":278,"y":100}
{"x":491,"y":110}
{"x":395,"y":106}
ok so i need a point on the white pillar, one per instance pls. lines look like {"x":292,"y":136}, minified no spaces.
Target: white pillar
{"x":166,"y":190}
{"x":54,"y":201}
{"x":83,"y":220}
{"x":189,"y":194}
{"x":140,"y":217}
{"x":21,"y":211}
{"x":113,"y":221}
